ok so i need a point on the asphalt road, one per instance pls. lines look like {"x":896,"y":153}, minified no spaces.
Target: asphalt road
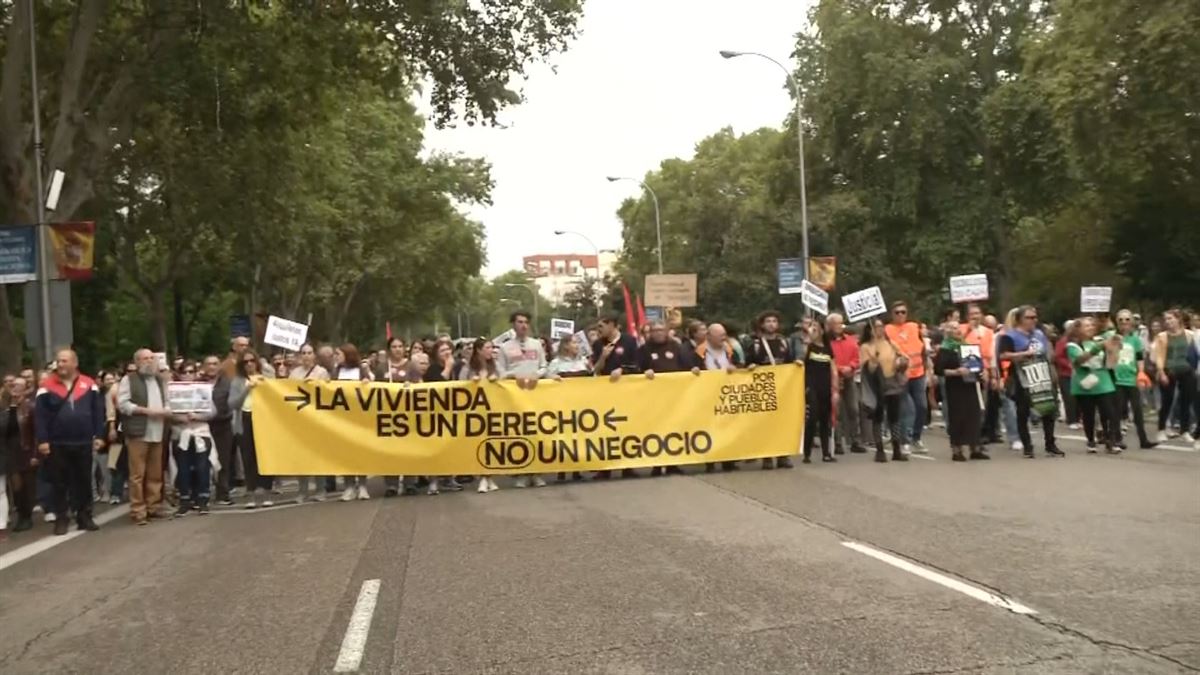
{"x":747,"y":572}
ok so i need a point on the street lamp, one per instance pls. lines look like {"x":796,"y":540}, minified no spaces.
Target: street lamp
{"x":532,"y":293}
{"x":657,"y":217}
{"x":726,"y":54}
{"x":594,"y":248}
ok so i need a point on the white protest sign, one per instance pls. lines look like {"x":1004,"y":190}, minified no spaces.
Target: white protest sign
{"x":968,"y":288}
{"x":863,"y":304}
{"x":814,"y":297}
{"x":186,"y":397}
{"x":561,"y":328}
{"x":289,"y":335}
{"x":1095,"y":299}
{"x":160,"y":361}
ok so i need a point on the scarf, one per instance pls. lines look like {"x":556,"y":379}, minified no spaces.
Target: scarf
{"x":951,"y":344}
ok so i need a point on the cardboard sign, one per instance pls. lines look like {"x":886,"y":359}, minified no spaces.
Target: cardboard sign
{"x":160,"y":361}
{"x":289,"y":335}
{"x":791,"y":274}
{"x":814,"y":297}
{"x":186,"y":397}
{"x":561,"y":328}
{"x":968,"y":288}
{"x":1095,"y":299}
{"x":864,"y":304}
{"x":671,"y":290}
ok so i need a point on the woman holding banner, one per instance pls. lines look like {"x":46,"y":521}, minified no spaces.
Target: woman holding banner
{"x":1026,"y":349}
{"x":349,"y":369}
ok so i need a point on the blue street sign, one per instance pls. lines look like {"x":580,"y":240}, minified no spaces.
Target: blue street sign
{"x":791,"y":275}
{"x":18,"y":254}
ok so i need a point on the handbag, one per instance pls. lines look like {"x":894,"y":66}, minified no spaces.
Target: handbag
{"x":1089,"y":381}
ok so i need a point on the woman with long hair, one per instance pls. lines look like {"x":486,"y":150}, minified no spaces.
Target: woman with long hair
{"x":479,"y":367}
{"x":392,"y":368}
{"x":307,"y":369}
{"x":820,"y":380}
{"x":241,"y":402}
{"x":567,"y":362}
{"x":442,"y":367}
{"x":350,"y":369}
{"x":418,"y":369}
{"x":885,"y":377}
{"x":1173,"y":351}
{"x":1130,"y":374}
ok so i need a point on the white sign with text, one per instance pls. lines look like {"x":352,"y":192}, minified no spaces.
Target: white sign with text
{"x":968,"y":288}
{"x":1095,"y":299}
{"x":864,"y":304}
{"x":814,"y":297}
{"x":289,"y":335}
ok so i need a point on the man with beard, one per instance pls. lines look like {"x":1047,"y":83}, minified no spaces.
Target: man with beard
{"x":141,"y":398}
{"x":69,"y":426}
{"x":769,"y":348}
{"x":663,"y":355}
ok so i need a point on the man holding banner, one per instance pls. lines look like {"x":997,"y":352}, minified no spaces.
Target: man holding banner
{"x":769,"y":348}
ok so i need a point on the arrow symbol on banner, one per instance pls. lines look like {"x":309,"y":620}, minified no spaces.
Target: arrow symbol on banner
{"x":303,"y":398}
{"x":611,"y":419}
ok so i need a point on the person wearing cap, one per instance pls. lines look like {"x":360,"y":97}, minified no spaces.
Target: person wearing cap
{"x":769,"y":348}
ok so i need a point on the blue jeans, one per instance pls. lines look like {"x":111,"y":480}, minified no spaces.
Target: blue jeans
{"x":45,"y":490}
{"x":194,"y":480}
{"x":1008,"y":409}
{"x":915,"y":409}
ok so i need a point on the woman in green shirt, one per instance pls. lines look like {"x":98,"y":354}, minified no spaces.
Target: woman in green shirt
{"x":1129,"y":376}
{"x":1092,"y":383}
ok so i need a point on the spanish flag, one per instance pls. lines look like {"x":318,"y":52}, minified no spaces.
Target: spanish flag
{"x":74,"y":246}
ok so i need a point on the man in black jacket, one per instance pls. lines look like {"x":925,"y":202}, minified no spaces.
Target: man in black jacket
{"x":663,"y":354}
{"x":69,"y":427}
{"x":615,"y":353}
{"x":768,"y":348}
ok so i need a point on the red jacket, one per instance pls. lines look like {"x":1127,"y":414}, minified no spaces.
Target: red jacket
{"x":845,"y":352}
{"x":1061,"y":361}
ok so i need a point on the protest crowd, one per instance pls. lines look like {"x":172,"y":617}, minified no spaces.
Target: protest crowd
{"x":70,"y":440}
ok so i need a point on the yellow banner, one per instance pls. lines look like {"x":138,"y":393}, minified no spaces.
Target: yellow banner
{"x":461,"y":428}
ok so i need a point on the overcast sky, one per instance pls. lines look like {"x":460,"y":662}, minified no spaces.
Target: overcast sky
{"x":643,"y":83}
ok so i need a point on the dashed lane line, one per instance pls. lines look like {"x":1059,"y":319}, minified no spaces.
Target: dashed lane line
{"x":351,"y":654}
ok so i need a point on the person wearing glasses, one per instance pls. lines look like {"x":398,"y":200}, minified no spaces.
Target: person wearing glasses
{"x":1027,"y":351}
{"x":1130,"y":375}
{"x":907,"y":336}
{"x":241,"y":402}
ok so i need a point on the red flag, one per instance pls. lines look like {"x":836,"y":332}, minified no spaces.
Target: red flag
{"x":387,"y":326}
{"x":641,"y":312}
{"x":629,"y":310}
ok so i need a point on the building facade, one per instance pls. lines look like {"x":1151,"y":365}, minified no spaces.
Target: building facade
{"x":557,"y":274}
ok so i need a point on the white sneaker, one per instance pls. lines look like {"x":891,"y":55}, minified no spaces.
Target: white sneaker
{"x":906,"y":449}
{"x":522,"y":482}
{"x":1188,"y":438}
{"x":483,"y":485}
{"x":51,"y":517}
{"x":919,"y":448}
{"x":1074,"y":426}
{"x":1162,"y":437}
{"x":492,"y":486}
{"x":433,"y":488}
{"x":348,"y":494}
{"x":363,"y":495}
{"x":1018,"y":446}
{"x":538,"y":481}
{"x":268,"y":503}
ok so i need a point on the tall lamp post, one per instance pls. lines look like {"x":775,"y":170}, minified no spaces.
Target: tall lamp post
{"x":726,"y":54}
{"x":594,"y":248}
{"x":534,"y":295}
{"x":45,"y":255}
{"x":657,"y":216}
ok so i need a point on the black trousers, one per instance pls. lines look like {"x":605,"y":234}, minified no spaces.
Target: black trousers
{"x":820,"y":418}
{"x":891,"y":406}
{"x":254,"y":479}
{"x":1130,"y":397}
{"x":1185,"y":384}
{"x":222,"y":433}
{"x":1106,"y":406}
{"x":23,"y":491}
{"x":991,"y":415}
{"x":70,"y":468}
{"x":1024,"y":409}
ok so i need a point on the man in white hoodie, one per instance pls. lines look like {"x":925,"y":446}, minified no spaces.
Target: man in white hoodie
{"x":524,"y":359}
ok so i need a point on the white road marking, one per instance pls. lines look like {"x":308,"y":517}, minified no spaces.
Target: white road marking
{"x":925,"y":457}
{"x":941,"y":579}
{"x":1161,"y":446}
{"x":45,"y":544}
{"x":350,"y":657}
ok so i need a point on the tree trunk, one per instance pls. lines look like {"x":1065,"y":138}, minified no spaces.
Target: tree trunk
{"x":181,"y":337}
{"x":158,"y":321}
